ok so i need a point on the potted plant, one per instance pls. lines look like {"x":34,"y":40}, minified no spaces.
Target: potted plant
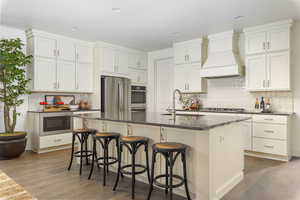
{"x":13,"y":85}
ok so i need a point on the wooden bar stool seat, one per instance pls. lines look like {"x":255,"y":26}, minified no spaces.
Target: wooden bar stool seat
{"x":82,"y":136}
{"x":170,"y":151}
{"x":104,"y":138}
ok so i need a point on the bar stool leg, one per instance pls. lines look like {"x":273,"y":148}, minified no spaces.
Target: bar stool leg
{"x":104,"y":162}
{"x":185,"y":175}
{"x":107,"y":159}
{"x":167,"y":175}
{"x":119,"y":165}
{"x":93,"y":158}
{"x":152,"y":174}
{"x":72,"y":153}
{"x":133,"y":171}
{"x":147,"y":162}
{"x":171,"y":176}
{"x":86,"y":148}
{"x":81,"y":148}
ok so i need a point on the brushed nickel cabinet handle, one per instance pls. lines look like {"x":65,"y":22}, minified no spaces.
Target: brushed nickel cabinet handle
{"x":268,"y":119}
{"x":268,"y":131}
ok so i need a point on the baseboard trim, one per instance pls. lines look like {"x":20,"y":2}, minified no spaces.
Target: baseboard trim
{"x":229,"y":185}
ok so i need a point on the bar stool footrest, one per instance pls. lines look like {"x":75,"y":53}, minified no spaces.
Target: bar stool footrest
{"x":114,"y":160}
{"x":123,"y":171}
{"x":168,"y":186}
{"x":77,"y":153}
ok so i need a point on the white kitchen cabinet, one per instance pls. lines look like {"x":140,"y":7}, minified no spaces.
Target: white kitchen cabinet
{"x":247,"y":131}
{"x":187,"y":79}
{"x":278,"y":71}
{"x":55,"y":59}
{"x":44,"y":74}
{"x":180,"y":77}
{"x":256,"y":72}
{"x":137,"y":60}
{"x":188,"y":52}
{"x":268,"y":71}
{"x":268,"y":57}
{"x":45,"y":47}
{"x":108,"y":59}
{"x":66,"y":73}
{"x":66,"y":50}
{"x":138,"y":77}
{"x":84,"y":80}
{"x":84,"y":53}
{"x":121,"y":62}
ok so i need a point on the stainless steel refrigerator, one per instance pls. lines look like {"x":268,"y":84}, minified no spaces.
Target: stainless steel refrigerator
{"x":115,"y":96}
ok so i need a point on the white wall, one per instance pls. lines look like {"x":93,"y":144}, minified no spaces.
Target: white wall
{"x":296,"y":87}
{"x":6,"y":32}
{"x":152,"y":58}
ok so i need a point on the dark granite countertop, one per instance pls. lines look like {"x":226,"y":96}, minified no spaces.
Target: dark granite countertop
{"x":199,"y":122}
{"x":36,"y":111}
{"x":241,"y":112}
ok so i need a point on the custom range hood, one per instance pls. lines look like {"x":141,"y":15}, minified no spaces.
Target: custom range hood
{"x":223,"y":57}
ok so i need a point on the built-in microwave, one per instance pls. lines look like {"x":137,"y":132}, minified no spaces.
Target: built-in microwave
{"x":138,"y":96}
{"x":55,"y":123}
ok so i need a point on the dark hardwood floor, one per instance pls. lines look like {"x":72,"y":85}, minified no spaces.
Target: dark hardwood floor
{"x":45,"y":176}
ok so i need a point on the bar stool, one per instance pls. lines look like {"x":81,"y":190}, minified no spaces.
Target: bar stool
{"x":170,"y":152}
{"x":132,"y":143}
{"x":104,"y":138}
{"x":82,"y":135}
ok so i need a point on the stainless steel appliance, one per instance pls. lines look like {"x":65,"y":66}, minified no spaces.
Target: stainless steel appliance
{"x":115,"y":96}
{"x":55,"y":123}
{"x":138,"y":96}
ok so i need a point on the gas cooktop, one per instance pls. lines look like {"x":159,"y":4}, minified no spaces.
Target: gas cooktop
{"x":223,"y":109}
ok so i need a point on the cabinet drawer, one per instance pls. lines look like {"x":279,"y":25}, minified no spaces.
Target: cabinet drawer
{"x":270,"y":119}
{"x":272,"y":131}
{"x":55,"y":140}
{"x":271,"y":146}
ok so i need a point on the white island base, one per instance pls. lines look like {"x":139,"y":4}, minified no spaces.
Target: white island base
{"x":215,"y":157}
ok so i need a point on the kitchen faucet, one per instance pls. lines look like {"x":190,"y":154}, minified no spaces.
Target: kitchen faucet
{"x":180,"y":97}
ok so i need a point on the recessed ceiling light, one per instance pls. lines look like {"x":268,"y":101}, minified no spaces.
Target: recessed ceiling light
{"x":239,"y":17}
{"x":116,"y":10}
{"x":74,"y":29}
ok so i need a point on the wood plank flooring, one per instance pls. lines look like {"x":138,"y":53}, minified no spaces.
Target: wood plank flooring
{"x":45,"y":176}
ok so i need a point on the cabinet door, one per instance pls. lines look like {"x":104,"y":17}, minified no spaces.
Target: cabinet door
{"x":180,"y":77}
{"x":133,"y":60}
{"x":256,"y":72}
{"x":45,"y":47}
{"x":84,"y":54}
{"x":44,"y":74}
{"x":142,"y":61}
{"x":194,"y":82}
{"x":66,"y":74}
{"x":180,"y":53}
{"x":133,"y":75}
{"x":142,"y":77}
{"x":84,"y":77}
{"x":247,"y":131}
{"x":122,"y":62}
{"x":66,"y":50}
{"x":279,"y":71}
{"x":108,"y":59}
{"x":195,"y":50}
{"x":255,"y":43}
{"x":278,"y":39}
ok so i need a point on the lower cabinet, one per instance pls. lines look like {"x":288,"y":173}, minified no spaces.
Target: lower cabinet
{"x":55,"y":140}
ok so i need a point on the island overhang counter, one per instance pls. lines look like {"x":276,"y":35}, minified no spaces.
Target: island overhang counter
{"x":215,"y":155}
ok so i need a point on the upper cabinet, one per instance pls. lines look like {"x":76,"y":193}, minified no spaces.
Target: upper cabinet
{"x":112,"y":60}
{"x":138,"y":60}
{"x":268,"y":57}
{"x":188,"y":60}
{"x":57,"y":63}
{"x":188,"y":52}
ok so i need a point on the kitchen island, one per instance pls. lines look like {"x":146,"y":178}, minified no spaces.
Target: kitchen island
{"x":215,"y":156}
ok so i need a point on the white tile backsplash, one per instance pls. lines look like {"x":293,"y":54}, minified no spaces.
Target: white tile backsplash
{"x":231,"y":93}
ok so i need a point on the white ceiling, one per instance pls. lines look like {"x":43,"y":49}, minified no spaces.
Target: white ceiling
{"x":143,"y":24}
